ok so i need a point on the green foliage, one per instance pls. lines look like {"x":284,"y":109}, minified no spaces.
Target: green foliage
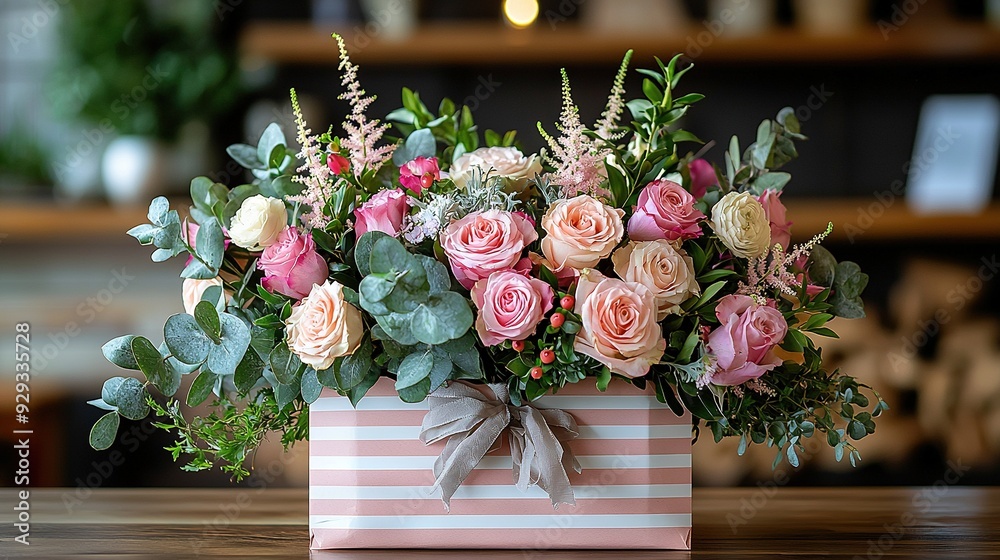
{"x":144,"y":68}
{"x":409,"y":295}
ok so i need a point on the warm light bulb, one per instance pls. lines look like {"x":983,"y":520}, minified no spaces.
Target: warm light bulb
{"x":520,"y":13}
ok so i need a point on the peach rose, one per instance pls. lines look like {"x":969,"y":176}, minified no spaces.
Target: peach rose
{"x":667,"y":271}
{"x":581,"y":231}
{"x":482,"y":243}
{"x":323,"y":326}
{"x":510,"y":306}
{"x":193,"y":289}
{"x":619,"y":324}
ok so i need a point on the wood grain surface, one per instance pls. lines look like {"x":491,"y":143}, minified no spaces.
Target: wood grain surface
{"x":892,"y":523}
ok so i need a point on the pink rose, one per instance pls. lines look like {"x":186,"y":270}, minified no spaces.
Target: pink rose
{"x":580,"y":232}
{"x":383,"y":212}
{"x":781,"y":231}
{"x":619,"y":327}
{"x":482,"y":243}
{"x":665,"y":211}
{"x":702,"y":177}
{"x":420,"y":173}
{"x":744,"y":342}
{"x":511,"y":305}
{"x":291,"y":265}
{"x":337,"y":163}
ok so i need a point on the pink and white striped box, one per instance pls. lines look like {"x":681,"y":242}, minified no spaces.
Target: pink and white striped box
{"x":371,"y":478}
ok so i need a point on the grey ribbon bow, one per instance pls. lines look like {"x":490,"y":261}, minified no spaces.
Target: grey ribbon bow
{"x":472,"y":424}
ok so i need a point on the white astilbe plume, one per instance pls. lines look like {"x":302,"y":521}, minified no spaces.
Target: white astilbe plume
{"x":773,"y":270}
{"x":578,"y":161}
{"x":362,"y":134}
{"x":317,"y":178}
{"x":605,"y":126}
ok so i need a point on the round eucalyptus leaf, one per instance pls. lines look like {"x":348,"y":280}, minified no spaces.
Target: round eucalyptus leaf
{"x":444,"y":317}
{"x":310,"y":386}
{"x":131,"y":399}
{"x":118,"y":351}
{"x":414,"y":369}
{"x":207,"y":318}
{"x":235,"y":339}
{"x":110,"y":389}
{"x":185,"y":339}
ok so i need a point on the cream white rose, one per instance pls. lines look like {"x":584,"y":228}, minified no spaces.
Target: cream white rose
{"x":508,"y":163}
{"x":193,"y":289}
{"x":258,"y":222}
{"x":740,"y":222}
{"x":667,"y":271}
{"x":323,"y":326}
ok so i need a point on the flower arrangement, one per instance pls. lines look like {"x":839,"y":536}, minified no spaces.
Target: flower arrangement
{"x":442,"y":256}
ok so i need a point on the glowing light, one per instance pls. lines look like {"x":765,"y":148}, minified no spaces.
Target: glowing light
{"x":520,"y":13}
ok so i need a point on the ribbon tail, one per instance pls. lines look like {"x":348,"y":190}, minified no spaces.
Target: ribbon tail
{"x":547,"y":460}
{"x":465,"y":455}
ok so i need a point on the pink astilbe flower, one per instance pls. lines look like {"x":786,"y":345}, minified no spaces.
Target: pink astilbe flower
{"x":606,"y":125}
{"x":577,"y":159}
{"x":317,"y":177}
{"x":776,"y":269}
{"x":362,"y":134}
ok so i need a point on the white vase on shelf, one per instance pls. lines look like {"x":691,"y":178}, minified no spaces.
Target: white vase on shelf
{"x":135,"y":169}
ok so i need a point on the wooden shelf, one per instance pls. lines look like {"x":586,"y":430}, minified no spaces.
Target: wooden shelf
{"x":23,"y":222}
{"x":865,"y":219}
{"x":477,"y":43}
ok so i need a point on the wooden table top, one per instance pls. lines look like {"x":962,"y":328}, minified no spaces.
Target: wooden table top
{"x":935,"y":522}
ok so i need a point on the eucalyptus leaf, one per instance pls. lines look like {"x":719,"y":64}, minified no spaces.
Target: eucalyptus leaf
{"x":309,"y":386}
{"x":235,"y":339}
{"x":444,"y":317}
{"x":245,"y":155}
{"x":118,"y":351}
{"x":185,"y":339}
{"x":151,"y":363}
{"x":207,"y":318}
{"x":363,"y":251}
{"x":102,"y":435}
{"x":284,"y":364}
{"x":109,"y":391}
{"x":201,"y":388}
{"x":415,"y":393}
{"x":271,"y":138}
{"x":415,"y":368}
{"x":130,"y":398}
{"x":358,"y":391}
{"x":248,"y":372}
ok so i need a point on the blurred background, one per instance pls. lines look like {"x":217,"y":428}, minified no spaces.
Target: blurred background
{"x":107,"y":103}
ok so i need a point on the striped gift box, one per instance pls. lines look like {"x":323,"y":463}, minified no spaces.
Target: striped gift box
{"x":371,"y":478}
